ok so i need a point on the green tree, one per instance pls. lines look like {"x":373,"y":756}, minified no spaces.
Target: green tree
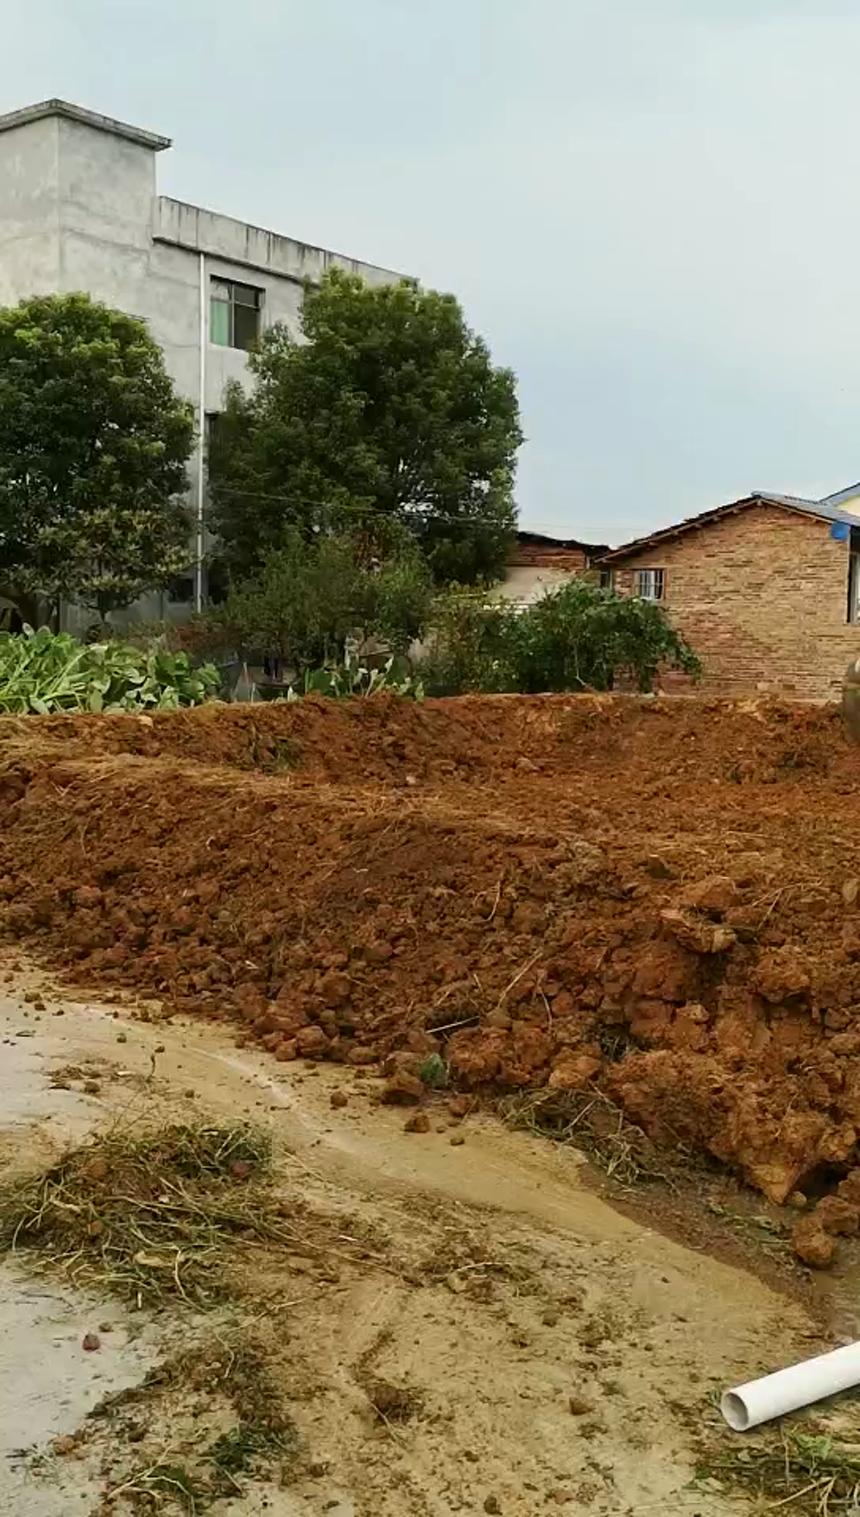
{"x":578,"y":637}
{"x":388,"y":408}
{"x":310,"y":596}
{"x":93,"y":450}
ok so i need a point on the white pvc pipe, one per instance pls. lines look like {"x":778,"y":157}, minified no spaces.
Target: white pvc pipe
{"x":787,"y":1390}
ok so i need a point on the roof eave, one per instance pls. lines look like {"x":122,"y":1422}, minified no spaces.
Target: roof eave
{"x":696,"y":523}
{"x":70,"y":112}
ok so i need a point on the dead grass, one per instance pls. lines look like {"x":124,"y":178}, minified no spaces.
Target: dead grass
{"x":172,"y":1474}
{"x":802,"y":1473}
{"x":591,"y":1121}
{"x":149,"y":1215}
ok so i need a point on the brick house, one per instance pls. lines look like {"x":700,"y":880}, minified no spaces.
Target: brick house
{"x":767,"y":590}
{"x":537,"y":563}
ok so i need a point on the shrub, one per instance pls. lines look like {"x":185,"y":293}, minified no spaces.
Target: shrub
{"x":310,"y":596}
{"x":578,"y":637}
{"x":348,"y":680}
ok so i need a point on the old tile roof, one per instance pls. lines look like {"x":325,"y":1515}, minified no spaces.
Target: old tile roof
{"x":825,"y":510}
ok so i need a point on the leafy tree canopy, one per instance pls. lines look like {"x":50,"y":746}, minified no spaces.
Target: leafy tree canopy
{"x":310,"y":596}
{"x":388,"y":409}
{"x":93,"y":450}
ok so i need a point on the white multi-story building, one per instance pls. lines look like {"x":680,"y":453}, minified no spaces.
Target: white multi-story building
{"x":79,"y":210}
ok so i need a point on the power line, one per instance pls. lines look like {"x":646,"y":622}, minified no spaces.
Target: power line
{"x":411,"y":512}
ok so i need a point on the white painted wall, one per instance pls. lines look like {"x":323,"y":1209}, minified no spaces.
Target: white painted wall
{"x":526,"y":583}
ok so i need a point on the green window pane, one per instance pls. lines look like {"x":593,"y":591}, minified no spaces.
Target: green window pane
{"x":219,"y":322}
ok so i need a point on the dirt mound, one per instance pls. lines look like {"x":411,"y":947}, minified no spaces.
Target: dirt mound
{"x":662,"y":897}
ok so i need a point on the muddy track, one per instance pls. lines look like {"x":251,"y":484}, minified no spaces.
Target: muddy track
{"x":562,"y":1355}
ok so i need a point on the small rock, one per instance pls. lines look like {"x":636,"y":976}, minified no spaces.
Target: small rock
{"x":797,"y":1200}
{"x":339,"y":1098}
{"x":90,"y":1342}
{"x":550,"y":1319}
{"x":64,"y":1445}
{"x":122,"y":1037}
{"x":403,"y":1089}
{"x":91,"y":1087}
{"x":312,"y":1042}
{"x":105,"y":1327}
{"x":189,"y":1094}
{"x":658,"y":867}
{"x":159,"y":1048}
{"x":851,"y":892}
{"x":460,"y":1106}
{"x":812,"y":1244}
{"x":578,"y":1406}
{"x":418,"y":1122}
{"x":457,"y":1140}
{"x":837,"y":1216}
{"x":498,"y":1018}
{"x":26,"y":1032}
{"x":714,"y":895}
{"x":492,"y":1505}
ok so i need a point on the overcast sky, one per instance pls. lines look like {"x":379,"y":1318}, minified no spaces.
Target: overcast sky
{"x":650,"y":208}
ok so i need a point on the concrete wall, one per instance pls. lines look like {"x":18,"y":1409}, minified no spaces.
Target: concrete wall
{"x":29,"y":211}
{"x":140,"y":252}
{"x":252,"y":247}
{"x":762,"y":597}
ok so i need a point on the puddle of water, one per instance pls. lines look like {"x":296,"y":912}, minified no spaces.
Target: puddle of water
{"x":27,"y":1094}
{"x":48,"y":1382}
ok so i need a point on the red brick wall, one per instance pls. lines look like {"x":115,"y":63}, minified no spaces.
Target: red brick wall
{"x":533,"y":555}
{"x":762,"y":596}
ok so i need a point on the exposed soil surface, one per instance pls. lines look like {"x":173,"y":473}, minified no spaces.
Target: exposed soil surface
{"x":656,"y":898}
{"x":456,"y":1329}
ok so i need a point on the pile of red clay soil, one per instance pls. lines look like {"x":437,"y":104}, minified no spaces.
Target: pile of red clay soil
{"x":656,"y":897}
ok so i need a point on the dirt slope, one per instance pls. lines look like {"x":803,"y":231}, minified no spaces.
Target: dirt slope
{"x":662,"y":897}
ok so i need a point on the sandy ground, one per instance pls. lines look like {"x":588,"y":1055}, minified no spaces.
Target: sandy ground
{"x":503,"y":1286}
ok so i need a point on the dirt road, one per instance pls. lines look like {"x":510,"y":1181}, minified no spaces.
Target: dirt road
{"x":556,"y":1354}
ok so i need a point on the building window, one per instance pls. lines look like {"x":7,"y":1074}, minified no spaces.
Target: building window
{"x":234,"y":314}
{"x":180,"y":591}
{"x":649,"y":583}
{"x":607,"y":579}
{"x":854,"y":587}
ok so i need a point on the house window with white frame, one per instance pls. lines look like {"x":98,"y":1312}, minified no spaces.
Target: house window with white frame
{"x":650,"y":583}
